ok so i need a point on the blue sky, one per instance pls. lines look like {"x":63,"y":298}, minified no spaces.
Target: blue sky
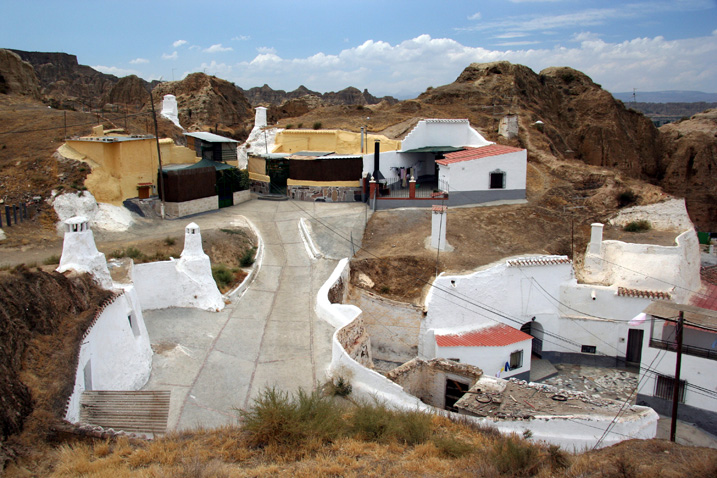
{"x":391,"y":47}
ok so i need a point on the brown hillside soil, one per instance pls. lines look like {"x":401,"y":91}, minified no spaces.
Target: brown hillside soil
{"x":394,"y":253}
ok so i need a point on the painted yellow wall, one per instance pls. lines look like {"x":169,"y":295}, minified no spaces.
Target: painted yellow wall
{"x":299,"y":182}
{"x":259,"y":177}
{"x":256,"y":165}
{"x":340,"y":142}
{"x":117,"y":167}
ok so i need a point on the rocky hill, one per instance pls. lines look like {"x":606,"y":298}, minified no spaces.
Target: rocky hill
{"x":65,"y":81}
{"x":17,"y":77}
{"x":266,"y":96}
{"x":207,"y":102}
{"x":690,"y":157}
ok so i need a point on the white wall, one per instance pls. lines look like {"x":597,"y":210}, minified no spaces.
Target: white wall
{"x":694,"y":370}
{"x":510,"y":294}
{"x":443,"y":132}
{"x":489,"y":359}
{"x":423,"y":162}
{"x":648,"y":267}
{"x":119,"y":354}
{"x":475,"y":175}
{"x":572,"y":432}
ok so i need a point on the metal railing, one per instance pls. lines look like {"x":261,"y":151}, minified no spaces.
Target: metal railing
{"x":401,"y":188}
{"x":686,"y":349}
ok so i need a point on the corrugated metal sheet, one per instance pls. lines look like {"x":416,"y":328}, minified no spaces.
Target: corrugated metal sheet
{"x":492,"y":336}
{"x":142,"y":411}
{"x":210,"y":137}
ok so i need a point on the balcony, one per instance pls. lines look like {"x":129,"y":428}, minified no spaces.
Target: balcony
{"x":686,"y":349}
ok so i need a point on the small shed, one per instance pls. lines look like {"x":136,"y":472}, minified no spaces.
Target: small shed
{"x":212,"y":146}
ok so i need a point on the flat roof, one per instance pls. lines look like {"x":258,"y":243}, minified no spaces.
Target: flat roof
{"x":434,"y":149}
{"x":112,"y":139}
{"x":210,"y":137}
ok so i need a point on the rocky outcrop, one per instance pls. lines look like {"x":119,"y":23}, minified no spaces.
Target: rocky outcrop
{"x":265,"y":95}
{"x":690,"y":156}
{"x":17,"y":77}
{"x":209,"y":103}
{"x":130,"y":90}
{"x":64,"y":80}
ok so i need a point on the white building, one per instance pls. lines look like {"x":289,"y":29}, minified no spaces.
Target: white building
{"x":449,"y":155}
{"x":697,"y":393}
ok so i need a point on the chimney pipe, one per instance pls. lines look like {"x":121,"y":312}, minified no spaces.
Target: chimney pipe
{"x":377,"y":147}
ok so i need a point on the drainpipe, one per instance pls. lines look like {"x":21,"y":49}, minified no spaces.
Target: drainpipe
{"x":376,"y":150}
{"x":159,"y":153}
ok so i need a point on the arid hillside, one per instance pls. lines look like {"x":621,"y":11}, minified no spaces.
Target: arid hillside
{"x":564,"y":118}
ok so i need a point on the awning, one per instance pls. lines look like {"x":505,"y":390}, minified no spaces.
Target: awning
{"x":434,"y":149}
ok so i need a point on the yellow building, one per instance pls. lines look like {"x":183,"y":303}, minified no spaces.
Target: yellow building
{"x":121,"y":162}
{"x":330,"y":140}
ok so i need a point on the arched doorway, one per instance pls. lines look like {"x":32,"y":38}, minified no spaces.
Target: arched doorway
{"x":535,"y":329}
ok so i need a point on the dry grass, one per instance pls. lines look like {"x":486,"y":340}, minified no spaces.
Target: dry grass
{"x":236,"y":452}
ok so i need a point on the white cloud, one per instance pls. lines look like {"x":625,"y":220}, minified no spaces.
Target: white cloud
{"x":508,"y":35}
{"x":218,"y":48}
{"x":266,"y":50}
{"x":475,"y":16}
{"x":173,"y":56}
{"x":241,"y":38}
{"x":139,"y":61}
{"x":517,"y":43}
{"x":217,"y":69}
{"x":407,"y":68}
{"x":113,"y":70}
{"x":585,"y":36}
{"x":179,"y":43}
{"x":195,"y":48}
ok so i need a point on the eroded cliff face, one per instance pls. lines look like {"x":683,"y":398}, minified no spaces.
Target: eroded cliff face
{"x":17,"y":77}
{"x":207,"y":102}
{"x":43,"y":317}
{"x":691,"y":165}
{"x":66,"y":81}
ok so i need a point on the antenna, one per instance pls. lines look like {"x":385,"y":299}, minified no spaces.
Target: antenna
{"x":634,"y":96}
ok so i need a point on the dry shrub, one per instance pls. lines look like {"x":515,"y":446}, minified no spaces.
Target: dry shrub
{"x":515,"y":457}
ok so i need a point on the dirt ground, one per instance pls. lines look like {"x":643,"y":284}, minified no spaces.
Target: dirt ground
{"x":555,"y":219}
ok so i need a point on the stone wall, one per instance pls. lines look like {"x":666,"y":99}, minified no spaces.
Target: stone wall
{"x":356,"y":341}
{"x":323,"y":193}
{"x":241,"y":196}
{"x":180,"y":209}
{"x":260,"y":187}
{"x":393,"y":326}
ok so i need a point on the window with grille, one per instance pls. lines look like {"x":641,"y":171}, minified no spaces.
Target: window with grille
{"x":497,"y":179}
{"x":665,"y":388}
{"x":588,"y":349}
{"x":516,"y":359}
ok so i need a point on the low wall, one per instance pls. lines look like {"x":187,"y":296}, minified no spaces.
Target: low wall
{"x":260,"y":187}
{"x":186,"y":282}
{"x":187,"y":208}
{"x":463,"y":198}
{"x":323,"y":193}
{"x":571,"y":432}
{"x":393,"y":326}
{"x":115,"y":353}
{"x":241,"y":196}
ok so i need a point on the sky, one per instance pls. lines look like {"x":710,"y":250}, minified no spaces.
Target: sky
{"x":390,"y":47}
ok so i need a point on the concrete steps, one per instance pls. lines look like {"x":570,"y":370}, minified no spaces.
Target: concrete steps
{"x":133,"y":412}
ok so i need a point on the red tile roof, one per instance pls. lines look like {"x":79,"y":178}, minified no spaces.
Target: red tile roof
{"x":643,"y":294}
{"x":706,"y":298}
{"x":470,"y":154}
{"x":440,"y":209}
{"x":493,"y":336}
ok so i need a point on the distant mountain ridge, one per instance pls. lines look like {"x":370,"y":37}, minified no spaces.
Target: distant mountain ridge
{"x":667,"y":96}
{"x":265,"y":95}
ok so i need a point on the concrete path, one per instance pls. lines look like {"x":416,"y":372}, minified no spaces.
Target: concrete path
{"x":216,"y":363}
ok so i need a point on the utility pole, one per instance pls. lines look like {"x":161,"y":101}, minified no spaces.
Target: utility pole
{"x":676,"y":384}
{"x":159,"y":153}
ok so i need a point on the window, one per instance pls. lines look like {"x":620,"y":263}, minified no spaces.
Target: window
{"x":588,"y":349}
{"x":665,"y":388}
{"x":516,"y":359}
{"x":497,"y":179}
{"x":133,"y":324}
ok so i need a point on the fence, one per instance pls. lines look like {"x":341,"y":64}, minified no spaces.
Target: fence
{"x":401,"y":188}
{"x":16,"y":214}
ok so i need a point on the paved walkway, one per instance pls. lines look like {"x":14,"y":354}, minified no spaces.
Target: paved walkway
{"x":216,"y":363}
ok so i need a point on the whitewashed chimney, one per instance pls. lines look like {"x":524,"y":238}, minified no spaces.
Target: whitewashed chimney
{"x":192,"y":241}
{"x":260,"y":117}
{"x":79,"y":252}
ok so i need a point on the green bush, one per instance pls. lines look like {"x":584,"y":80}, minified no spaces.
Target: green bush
{"x":515,"y":457}
{"x":169,"y":241}
{"x":289,"y":126}
{"x":133,"y":253}
{"x":52,"y":260}
{"x":376,"y":422}
{"x":222,"y":275}
{"x":638,"y":226}
{"x":278,"y":418}
{"x":247,"y":259}
{"x":626,"y":198}
{"x":452,"y":447}
{"x":317,"y":125}
{"x":339,"y":387}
